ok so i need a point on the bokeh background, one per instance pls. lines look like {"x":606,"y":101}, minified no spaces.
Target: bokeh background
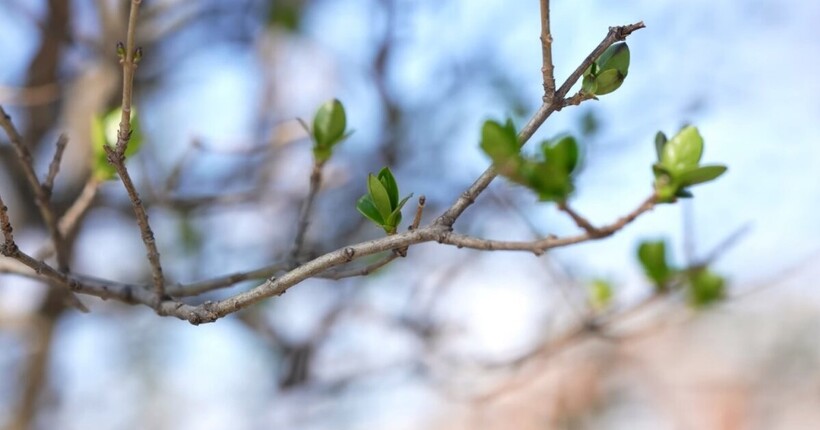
{"x":436,"y":340}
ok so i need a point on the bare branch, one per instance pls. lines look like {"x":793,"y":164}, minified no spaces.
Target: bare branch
{"x":78,"y":209}
{"x":547,"y":70}
{"x":197,"y":288}
{"x":307,"y":209}
{"x":211,"y":311}
{"x":539,"y":246}
{"x":54,"y":166}
{"x":419,"y":213}
{"x":40,"y":196}
{"x":579,"y":220}
{"x":116,"y":156}
{"x":361,"y":271}
{"x":7,"y":230}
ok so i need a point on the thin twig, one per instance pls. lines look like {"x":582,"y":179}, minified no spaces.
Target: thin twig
{"x":71,"y":218}
{"x":540,"y":246}
{"x":10,"y":249}
{"x":307,"y":209}
{"x":41,"y":198}
{"x":579,"y":220}
{"x":419,"y":213}
{"x":402,"y":252}
{"x":197,"y":288}
{"x":469,"y":196}
{"x":7,"y":229}
{"x":547,"y":70}
{"x":128,"y":68}
{"x":116,"y":156}
{"x":361,"y":271}
{"x":54,"y":166}
{"x":578,"y":98}
{"x":147,"y":235}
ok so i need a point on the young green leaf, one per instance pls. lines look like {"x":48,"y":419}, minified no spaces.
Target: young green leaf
{"x":381,"y":203}
{"x":329,"y":126}
{"x":705,"y":288}
{"x":683,"y":151}
{"x":563,"y":153}
{"x":608,"y":81}
{"x":700,"y":175}
{"x":652,"y":255}
{"x":600,"y":294}
{"x":616,"y":57}
{"x":499,"y":142}
{"x":588,"y":85}
{"x":550,"y":182}
{"x":379,"y":196}
{"x":394,"y":219}
{"x":367,"y":208}
{"x":386,"y":178}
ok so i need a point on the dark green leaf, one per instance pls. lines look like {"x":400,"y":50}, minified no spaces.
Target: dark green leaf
{"x":366,"y":207}
{"x":616,"y":57}
{"x":285,"y":14}
{"x":660,"y":142}
{"x":684,"y":194}
{"x":700,"y":175}
{"x":683,"y":151}
{"x":652,"y":255}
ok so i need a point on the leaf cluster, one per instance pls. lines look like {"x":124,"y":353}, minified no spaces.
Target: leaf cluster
{"x":329,"y":129}
{"x":381,"y":204}
{"x":608,"y":72}
{"x":549,"y":174}
{"x":702,"y":286}
{"x":678,"y":165}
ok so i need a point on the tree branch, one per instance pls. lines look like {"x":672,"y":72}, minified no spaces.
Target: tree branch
{"x":41,"y":197}
{"x":307,"y":209}
{"x":469,"y":196}
{"x":54,"y":166}
{"x":547,"y":70}
{"x":116,"y":156}
{"x":539,"y":246}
